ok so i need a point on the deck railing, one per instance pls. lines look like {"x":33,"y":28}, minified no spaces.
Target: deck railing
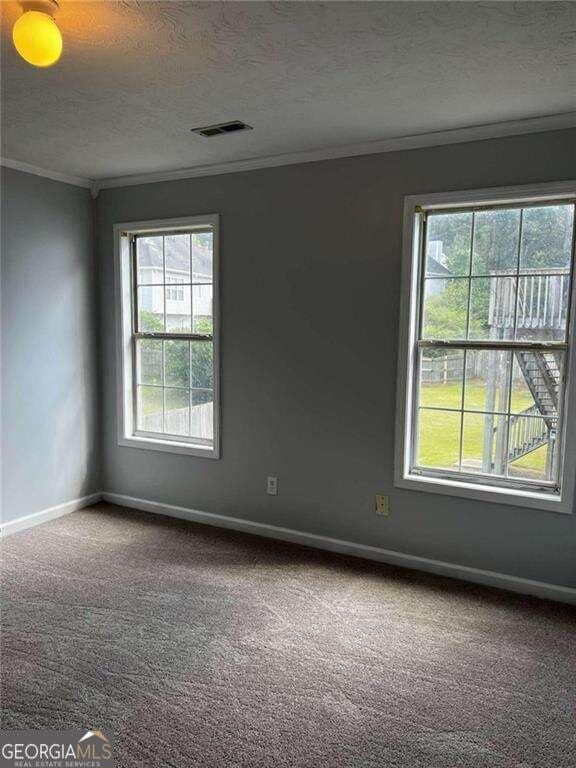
{"x":542,"y":300}
{"x":526,"y":434}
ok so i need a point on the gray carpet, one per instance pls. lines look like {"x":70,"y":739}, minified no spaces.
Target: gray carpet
{"x":200,"y":647}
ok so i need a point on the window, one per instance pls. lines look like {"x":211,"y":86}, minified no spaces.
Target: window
{"x":484,"y":366}
{"x":168,"y":382}
{"x":174,"y":294}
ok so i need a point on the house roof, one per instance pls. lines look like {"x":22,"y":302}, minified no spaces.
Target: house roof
{"x":435,"y":269}
{"x":177,"y":254}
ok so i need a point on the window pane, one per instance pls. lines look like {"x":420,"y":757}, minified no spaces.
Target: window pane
{"x":441,"y":378}
{"x":438,"y":439}
{"x":150,"y":409}
{"x":546,"y":238}
{"x":177,"y":411}
{"x":448,"y":243}
{"x":445,"y":309}
{"x":202,"y":244}
{"x":202,"y":364}
{"x":492,"y":276}
{"x":149,"y":361}
{"x":484,"y":443}
{"x":536,"y":382}
{"x":150,"y":260}
{"x":176,"y":363}
{"x":492,"y":306}
{"x":177,"y":255}
{"x":532,"y":448}
{"x":178,"y":308}
{"x":496,"y":236}
{"x":151,"y":309}
{"x":202,"y":413}
{"x":542,"y":307}
{"x":487,"y":380}
{"x":202,"y":308}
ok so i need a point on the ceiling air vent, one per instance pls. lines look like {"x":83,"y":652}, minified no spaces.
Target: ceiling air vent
{"x":222,"y":128}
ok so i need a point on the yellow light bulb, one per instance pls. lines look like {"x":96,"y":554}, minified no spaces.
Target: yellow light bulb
{"x":37,"y":38}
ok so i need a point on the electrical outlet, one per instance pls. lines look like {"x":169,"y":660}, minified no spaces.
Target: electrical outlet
{"x":272,"y":486}
{"x":382,"y":504}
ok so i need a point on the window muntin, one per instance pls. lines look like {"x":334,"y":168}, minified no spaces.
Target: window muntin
{"x":172,"y":335}
{"x":491,"y":344}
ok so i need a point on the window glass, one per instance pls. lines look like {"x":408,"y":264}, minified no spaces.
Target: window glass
{"x":445,"y":308}
{"x":174,"y":374}
{"x":441,"y":378}
{"x":496,"y":240}
{"x":448,"y":244}
{"x":150,"y":260}
{"x":438,"y":439}
{"x":487,"y":405}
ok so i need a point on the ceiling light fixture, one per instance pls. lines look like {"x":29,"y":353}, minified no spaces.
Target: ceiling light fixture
{"x":36,"y":35}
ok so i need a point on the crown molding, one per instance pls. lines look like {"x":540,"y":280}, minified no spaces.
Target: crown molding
{"x":417,"y":141}
{"x":18,"y":165}
{"x":397,"y":144}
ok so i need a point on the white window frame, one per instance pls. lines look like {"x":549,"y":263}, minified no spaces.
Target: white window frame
{"x":404,"y":477}
{"x":127,"y":433}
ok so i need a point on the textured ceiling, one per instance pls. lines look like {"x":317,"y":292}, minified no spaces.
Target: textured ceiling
{"x":136,"y":76}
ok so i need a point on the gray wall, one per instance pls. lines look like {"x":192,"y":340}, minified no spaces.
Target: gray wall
{"x":308,"y":387}
{"x":48,"y":350}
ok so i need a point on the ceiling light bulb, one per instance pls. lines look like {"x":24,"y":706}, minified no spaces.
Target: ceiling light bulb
{"x":37,"y":37}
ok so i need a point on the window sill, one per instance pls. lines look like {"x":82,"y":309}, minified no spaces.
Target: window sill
{"x":170,"y":446}
{"x":518,"y":498}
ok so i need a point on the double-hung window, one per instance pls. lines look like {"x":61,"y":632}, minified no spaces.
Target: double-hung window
{"x":168,"y":335}
{"x":486,"y":371}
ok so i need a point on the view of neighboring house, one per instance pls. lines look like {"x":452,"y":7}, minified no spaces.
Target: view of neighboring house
{"x":175,"y":275}
{"x":435,"y":266}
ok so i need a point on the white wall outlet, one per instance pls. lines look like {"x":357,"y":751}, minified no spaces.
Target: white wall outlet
{"x":382,"y":504}
{"x":272,"y":486}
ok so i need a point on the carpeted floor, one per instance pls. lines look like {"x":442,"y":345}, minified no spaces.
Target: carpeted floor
{"x":201,"y":647}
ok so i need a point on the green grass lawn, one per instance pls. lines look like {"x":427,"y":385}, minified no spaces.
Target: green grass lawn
{"x":440,"y":431}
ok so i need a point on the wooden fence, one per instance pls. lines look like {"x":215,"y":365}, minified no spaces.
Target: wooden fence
{"x":441,"y":370}
{"x":197,"y":421}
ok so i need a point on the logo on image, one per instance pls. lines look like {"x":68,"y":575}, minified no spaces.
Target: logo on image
{"x":56,"y":749}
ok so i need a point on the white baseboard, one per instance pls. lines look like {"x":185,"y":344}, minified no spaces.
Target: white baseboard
{"x":463,"y":572}
{"x":36,"y":518}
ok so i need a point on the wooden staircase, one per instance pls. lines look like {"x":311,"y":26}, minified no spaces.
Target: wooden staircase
{"x":538,"y":309}
{"x":541,"y":372}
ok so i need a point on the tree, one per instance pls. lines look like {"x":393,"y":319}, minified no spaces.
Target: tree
{"x":184,"y":365}
{"x":491,"y":243}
